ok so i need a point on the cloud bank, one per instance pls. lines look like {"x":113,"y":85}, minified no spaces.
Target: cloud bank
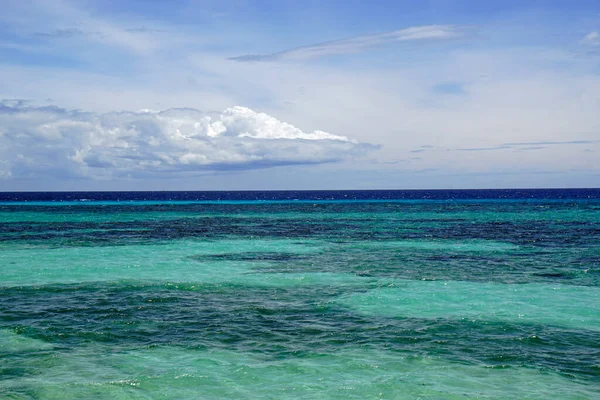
{"x":51,"y":141}
{"x":360,"y":43}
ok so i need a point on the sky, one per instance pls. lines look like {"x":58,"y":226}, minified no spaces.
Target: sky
{"x":285,"y":94}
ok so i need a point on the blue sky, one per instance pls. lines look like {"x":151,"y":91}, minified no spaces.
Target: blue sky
{"x":150,"y":95}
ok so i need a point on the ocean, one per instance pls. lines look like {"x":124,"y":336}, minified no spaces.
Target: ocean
{"x":448,"y":294}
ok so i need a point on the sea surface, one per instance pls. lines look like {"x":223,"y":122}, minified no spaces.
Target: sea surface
{"x":482,"y":294}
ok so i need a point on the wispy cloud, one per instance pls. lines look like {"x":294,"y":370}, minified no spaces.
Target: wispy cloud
{"x":423,"y":149}
{"x":591,"y":39}
{"x":549,"y":143}
{"x":503,"y":147}
{"x":64,"y":33}
{"x":527,"y":145}
{"x":394,"y":162}
{"x":68,"y":33}
{"x":532,"y":148}
{"x":360,"y":43}
{"x":63,"y":19}
{"x":144,"y":29}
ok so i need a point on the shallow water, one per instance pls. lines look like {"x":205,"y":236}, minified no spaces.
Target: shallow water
{"x":258,"y":295}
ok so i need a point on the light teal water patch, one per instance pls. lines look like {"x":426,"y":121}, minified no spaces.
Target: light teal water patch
{"x":173,"y":262}
{"x":247,"y":277}
{"x":302,"y":279}
{"x":81,"y":214}
{"x":561,"y":305}
{"x":50,"y":233}
{"x":451,"y":245}
{"x":173,"y":372}
{"x":11,"y":342}
{"x":85,"y":214}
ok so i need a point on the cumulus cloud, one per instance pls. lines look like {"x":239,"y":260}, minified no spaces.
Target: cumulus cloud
{"x":41,"y":141}
{"x":360,"y":43}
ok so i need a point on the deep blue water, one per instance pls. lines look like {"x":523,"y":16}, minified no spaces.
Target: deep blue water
{"x":479,"y":194}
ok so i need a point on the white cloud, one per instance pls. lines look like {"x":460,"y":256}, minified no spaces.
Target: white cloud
{"x":360,"y":43}
{"x":592,"y":39}
{"x":262,"y":126}
{"x":51,"y":141}
{"x":55,"y":26}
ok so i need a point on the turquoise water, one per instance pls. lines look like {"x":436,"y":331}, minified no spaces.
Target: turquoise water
{"x":469,"y":298}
